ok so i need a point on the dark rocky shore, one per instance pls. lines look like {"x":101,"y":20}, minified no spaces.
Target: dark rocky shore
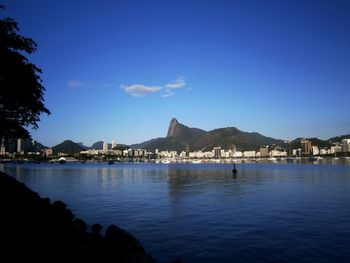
{"x":35,"y":228}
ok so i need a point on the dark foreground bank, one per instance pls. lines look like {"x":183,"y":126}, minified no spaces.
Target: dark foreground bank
{"x":34,"y":228}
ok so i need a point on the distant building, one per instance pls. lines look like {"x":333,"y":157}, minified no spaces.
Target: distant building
{"x":217,"y":152}
{"x":3,"y":149}
{"x":187,"y":150}
{"x":225,"y":154}
{"x":336,"y":149}
{"x":277,"y":153}
{"x":233,"y":148}
{"x":306,"y":146}
{"x":20,"y":146}
{"x":48,"y":151}
{"x":114,"y":144}
{"x":315,"y":150}
{"x":105,"y":146}
{"x":199,"y":154}
{"x":345,"y":145}
{"x":131,"y":152}
{"x":296,"y":152}
{"x":168,"y":154}
{"x":238,"y":154}
{"x":208,"y":154}
{"x":183,"y":154}
{"x":264,"y":152}
{"x":249,"y":154}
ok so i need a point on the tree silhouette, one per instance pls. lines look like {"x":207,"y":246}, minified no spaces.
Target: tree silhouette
{"x":21,"y":92}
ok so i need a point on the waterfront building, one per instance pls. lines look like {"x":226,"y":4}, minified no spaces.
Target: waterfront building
{"x":187,"y":150}
{"x":264,"y":152}
{"x":306,"y":146}
{"x":296,"y":152}
{"x":225,"y":154}
{"x":217,"y":152}
{"x":238,"y":154}
{"x":131,"y":152}
{"x":149,"y":155}
{"x":183,"y":154}
{"x":277,"y":153}
{"x":345,"y":145}
{"x":168,"y":154}
{"x":249,"y":154}
{"x":200,"y":154}
{"x":105,"y":146}
{"x":231,"y":152}
{"x":208,"y":154}
{"x":336,"y":149}
{"x":3,"y":149}
{"x":114,"y":144}
{"x":20,"y":146}
{"x":48,"y":151}
{"x":315,"y":150}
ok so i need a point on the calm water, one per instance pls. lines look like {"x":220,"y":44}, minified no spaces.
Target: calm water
{"x":201,"y":213}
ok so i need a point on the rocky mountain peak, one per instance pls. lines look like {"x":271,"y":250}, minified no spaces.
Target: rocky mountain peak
{"x":172,"y":126}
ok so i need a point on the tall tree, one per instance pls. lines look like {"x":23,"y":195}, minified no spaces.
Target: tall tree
{"x":21,"y":91}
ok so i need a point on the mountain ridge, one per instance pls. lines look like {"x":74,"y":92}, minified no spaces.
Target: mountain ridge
{"x":180,"y":136}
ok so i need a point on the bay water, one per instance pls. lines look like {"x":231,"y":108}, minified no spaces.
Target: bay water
{"x":277,"y":212}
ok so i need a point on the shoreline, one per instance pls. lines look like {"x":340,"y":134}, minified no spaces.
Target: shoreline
{"x":272,"y":160}
{"x":38,"y":229}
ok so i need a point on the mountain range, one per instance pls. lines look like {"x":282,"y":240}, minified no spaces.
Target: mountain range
{"x":180,"y":136}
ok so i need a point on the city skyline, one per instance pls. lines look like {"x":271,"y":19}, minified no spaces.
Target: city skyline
{"x":121,"y":70}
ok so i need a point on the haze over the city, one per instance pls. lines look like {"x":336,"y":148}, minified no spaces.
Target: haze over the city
{"x":122,"y":69}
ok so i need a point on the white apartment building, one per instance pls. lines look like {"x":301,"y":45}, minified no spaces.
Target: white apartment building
{"x":336,"y":149}
{"x":168,"y":154}
{"x":345,"y":145}
{"x":105,"y":146}
{"x":237,"y":154}
{"x":296,"y":152}
{"x":249,"y":154}
{"x":183,"y":154}
{"x":114,"y":144}
{"x":277,"y":153}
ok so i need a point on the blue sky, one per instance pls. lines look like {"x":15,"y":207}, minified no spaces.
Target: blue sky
{"x":122,"y":69}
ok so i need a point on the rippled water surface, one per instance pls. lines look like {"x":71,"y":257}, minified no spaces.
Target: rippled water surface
{"x":202,"y":213}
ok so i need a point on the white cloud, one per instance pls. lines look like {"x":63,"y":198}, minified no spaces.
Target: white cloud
{"x":74,"y":84}
{"x":168,"y":93}
{"x":179,"y":83}
{"x":139,"y":90}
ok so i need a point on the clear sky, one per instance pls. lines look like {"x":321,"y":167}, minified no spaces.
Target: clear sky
{"x":122,"y":69}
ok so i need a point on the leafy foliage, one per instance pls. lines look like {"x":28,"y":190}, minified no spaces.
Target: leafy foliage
{"x":21,"y":93}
